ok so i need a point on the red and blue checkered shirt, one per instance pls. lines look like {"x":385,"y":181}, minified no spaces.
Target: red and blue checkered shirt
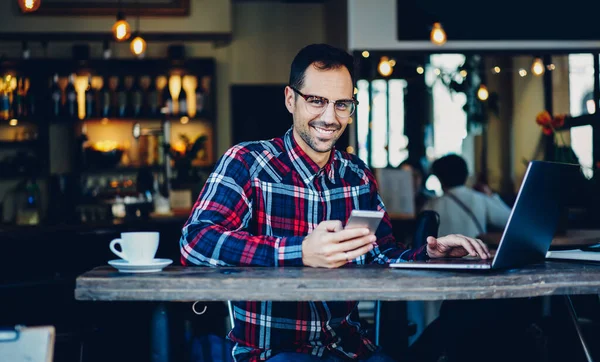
{"x":255,"y":209}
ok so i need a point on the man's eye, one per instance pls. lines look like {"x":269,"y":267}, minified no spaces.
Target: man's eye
{"x":315,"y":101}
{"x":342,"y":106}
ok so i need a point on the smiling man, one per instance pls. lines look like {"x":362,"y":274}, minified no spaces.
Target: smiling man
{"x":283,"y":202}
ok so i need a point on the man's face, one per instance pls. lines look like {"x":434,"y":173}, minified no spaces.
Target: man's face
{"x":317,"y":133}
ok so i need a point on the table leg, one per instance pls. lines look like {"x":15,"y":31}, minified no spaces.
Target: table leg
{"x":159,"y":334}
{"x":573,"y":315}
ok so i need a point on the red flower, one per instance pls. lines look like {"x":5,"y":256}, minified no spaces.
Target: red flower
{"x":548,"y":123}
{"x":559,"y":121}
{"x":543,"y":118}
{"x":547,"y":130}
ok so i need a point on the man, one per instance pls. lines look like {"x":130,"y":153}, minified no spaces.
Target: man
{"x":463,"y":210}
{"x":284,"y":202}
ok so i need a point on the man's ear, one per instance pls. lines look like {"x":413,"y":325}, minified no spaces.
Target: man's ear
{"x":290,"y":99}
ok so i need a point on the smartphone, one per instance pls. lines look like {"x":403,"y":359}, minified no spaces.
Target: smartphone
{"x":365,"y":218}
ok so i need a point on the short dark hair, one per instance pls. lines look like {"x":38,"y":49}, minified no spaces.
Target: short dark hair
{"x":324,"y":57}
{"x":451,"y":170}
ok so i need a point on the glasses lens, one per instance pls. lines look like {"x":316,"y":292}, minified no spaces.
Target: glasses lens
{"x":344,"y":109}
{"x":316,"y":105}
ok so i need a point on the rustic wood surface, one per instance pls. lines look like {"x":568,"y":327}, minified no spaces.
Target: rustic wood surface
{"x":187,"y":284}
{"x":571,"y":238}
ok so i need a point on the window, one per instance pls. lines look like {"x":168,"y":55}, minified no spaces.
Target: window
{"x":381,"y":139}
{"x":581,"y":90}
{"x":581,"y":84}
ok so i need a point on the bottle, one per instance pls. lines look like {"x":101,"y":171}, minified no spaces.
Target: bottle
{"x":90,"y":99}
{"x":183,"y":111}
{"x":29,"y":98}
{"x":105,"y":98}
{"x":55,"y":96}
{"x":199,"y":99}
{"x":167,"y":101}
{"x":18,"y":100}
{"x":152,"y":100}
{"x":4,"y":104}
{"x":71,"y":96}
{"x":136,"y":98}
{"x":121,"y":98}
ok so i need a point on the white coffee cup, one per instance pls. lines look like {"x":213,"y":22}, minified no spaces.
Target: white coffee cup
{"x":137,"y":247}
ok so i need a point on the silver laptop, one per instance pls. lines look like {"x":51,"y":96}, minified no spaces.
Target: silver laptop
{"x":531,"y":226}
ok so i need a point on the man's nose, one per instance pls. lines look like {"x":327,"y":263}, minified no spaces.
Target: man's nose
{"x":329,"y":113}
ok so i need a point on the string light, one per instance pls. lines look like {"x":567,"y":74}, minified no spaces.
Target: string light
{"x":138,"y":46}
{"x":29,"y":6}
{"x":438,"y":35}
{"x":121,"y":29}
{"x":537,"y":67}
{"x":385,"y":68}
{"x":482,"y":93}
{"x":365,"y":54}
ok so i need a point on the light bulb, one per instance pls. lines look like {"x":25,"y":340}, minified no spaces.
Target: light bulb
{"x":385,"y":68}
{"x":121,"y":29}
{"x":438,"y":35}
{"x":138,"y":46}
{"x":537,"y":67}
{"x":29,"y":6}
{"x":482,"y":93}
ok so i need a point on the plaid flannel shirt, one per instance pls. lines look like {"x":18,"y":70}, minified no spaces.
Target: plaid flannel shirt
{"x":255,"y":209}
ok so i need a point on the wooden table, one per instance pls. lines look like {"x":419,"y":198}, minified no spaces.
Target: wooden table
{"x":570,"y":239}
{"x":186,"y":284}
{"x":373,"y":282}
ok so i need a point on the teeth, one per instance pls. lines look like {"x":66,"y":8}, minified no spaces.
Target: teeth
{"x":323,"y":130}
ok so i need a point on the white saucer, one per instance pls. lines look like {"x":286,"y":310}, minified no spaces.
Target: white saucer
{"x":155,"y":265}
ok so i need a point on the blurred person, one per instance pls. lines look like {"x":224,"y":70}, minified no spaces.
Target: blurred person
{"x":422,"y":193}
{"x":462,"y":209}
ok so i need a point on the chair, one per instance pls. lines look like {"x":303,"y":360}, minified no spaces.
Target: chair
{"x":31,"y":344}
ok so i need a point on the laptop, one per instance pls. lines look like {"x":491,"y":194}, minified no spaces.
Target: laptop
{"x":531,"y":226}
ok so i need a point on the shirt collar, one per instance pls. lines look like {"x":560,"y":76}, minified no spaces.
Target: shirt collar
{"x":306,"y":167}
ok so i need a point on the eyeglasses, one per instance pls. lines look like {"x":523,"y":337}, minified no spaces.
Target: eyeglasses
{"x":316,"y":105}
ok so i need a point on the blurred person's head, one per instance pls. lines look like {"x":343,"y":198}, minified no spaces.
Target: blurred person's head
{"x":451,"y":170}
{"x":417,"y":170}
{"x":320,"y":73}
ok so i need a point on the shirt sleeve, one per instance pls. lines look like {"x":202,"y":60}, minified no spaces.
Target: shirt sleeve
{"x":216,"y":233}
{"x":388,"y":250}
{"x":497,"y":212}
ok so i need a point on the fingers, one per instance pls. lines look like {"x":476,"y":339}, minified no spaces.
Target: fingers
{"x":348,"y":256}
{"x":330,"y":225}
{"x":349,"y":234}
{"x":475,"y":247}
{"x":353,"y":244}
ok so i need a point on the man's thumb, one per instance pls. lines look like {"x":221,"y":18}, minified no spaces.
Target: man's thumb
{"x":431,"y":242}
{"x":330,"y":225}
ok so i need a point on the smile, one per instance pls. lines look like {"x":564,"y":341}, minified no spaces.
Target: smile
{"x":324,"y":130}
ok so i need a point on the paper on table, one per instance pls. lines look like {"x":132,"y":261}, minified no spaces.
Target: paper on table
{"x":575,"y":254}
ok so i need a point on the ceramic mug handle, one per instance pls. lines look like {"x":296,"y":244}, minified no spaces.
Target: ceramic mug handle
{"x":114,"y":250}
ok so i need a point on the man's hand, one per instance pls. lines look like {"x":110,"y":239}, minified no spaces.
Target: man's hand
{"x":456,"y":246}
{"x":330,"y":246}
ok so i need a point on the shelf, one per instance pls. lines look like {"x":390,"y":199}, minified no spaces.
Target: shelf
{"x":119,"y":169}
{"x":19,"y":144}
